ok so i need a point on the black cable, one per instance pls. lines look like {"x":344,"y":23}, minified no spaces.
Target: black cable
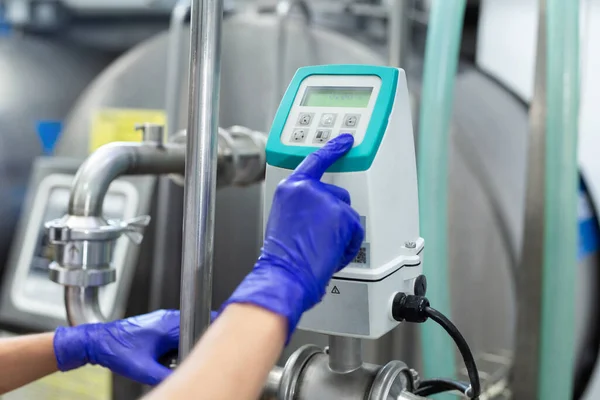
{"x":412,"y":308}
{"x":463,"y":347}
{"x":434,"y":386}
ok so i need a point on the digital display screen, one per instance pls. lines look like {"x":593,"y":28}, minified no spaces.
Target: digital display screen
{"x":331,"y":96}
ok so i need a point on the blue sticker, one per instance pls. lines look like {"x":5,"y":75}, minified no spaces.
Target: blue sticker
{"x":589,"y":232}
{"x":49,"y":132}
{"x":4,"y":25}
{"x":17,"y":194}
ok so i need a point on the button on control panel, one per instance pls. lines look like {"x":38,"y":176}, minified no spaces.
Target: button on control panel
{"x":305,"y":119}
{"x":328,"y":120}
{"x":351,"y":120}
{"x":347,"y":131}
{"x":322,"y":135}
{"x":299,"y":135}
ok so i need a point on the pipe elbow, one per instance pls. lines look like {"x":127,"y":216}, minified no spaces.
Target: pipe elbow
{"x":110,"y":161}
{"x":83,"y":305}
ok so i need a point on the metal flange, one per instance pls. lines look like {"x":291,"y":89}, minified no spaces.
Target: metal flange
{"x":81,"y":277}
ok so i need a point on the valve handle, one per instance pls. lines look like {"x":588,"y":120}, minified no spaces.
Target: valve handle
{"x":133,"y":227}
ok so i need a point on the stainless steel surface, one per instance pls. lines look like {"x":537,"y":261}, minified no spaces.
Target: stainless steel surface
{"x":82,"y":239}
{"x":409,"y":396}
{"x":176,"y":64}
{"x":201,"y":172}
{"x":292,"y":370}
{"x":283,"y":11}
{"x":345,"y":354}
{"x":240,"y":156}
{"x":83,"y":248}
{"x":83,"y":305}
{"x":81,"y":277}
{"x":308,"y":375}
{"x":84,"y":243}
{"x":319,"y":382}
{"x":168,"y":196}
{"x":40,"y":80}
{"x":115,"y":159}
{"x":529,"y":277}
{"x":311,"y":374}
{"x":151,"y":133}
{"x":399,"y":32}
{"x":272,"y":384}
{"x":392,"y":380}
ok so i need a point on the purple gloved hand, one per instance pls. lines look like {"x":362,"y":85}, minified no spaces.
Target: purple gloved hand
{"x":129,"y":347}
{"x":312,"y":233}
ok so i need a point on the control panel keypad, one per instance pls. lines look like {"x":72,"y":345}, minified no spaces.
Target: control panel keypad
{"x":328,"y":125}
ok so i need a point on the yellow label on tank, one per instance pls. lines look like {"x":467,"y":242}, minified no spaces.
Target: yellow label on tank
{"x":118,"y":125}
{"x":86,"y":383}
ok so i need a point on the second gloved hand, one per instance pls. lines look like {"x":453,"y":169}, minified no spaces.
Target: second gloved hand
{"x":312,"y":233}
{"x":129,"y":347}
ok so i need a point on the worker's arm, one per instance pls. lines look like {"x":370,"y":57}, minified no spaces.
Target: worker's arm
{"x":129,"y":347}
{"x":233,"y":358}
{"x":25,"y":359}
{"x":312,"y":233}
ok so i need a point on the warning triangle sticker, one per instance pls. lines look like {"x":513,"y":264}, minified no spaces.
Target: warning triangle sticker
{"x":335,"y":290}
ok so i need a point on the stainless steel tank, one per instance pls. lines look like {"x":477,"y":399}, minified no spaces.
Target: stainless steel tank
{"x":39,"y":80}
{"x":487,"y":168}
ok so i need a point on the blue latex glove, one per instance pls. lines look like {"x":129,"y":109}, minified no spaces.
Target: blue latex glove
{"x":129,"y":347}
{"x":312,"y":233}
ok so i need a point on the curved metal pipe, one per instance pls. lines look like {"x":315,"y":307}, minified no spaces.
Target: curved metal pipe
{"x":89,"y":188}
{"x":113,"y":160}
{"x":241,"y":161}
{"x":83,"y":305}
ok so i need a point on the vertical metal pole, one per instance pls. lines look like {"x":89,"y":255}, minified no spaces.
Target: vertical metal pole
{"x":526,"y":365}
{"x":399,"y":32}
{"x":345,"y":354}
{"x":200,"y":171}
{"x":175,"y":65}
{"x":169,"y":203}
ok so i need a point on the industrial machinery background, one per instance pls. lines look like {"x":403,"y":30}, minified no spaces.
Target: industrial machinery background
{"x":488,"y":151}
{"x":39,"y":82}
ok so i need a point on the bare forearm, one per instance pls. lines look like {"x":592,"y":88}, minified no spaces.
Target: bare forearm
{"x":25,"y":359}
{"x":232,"y":360}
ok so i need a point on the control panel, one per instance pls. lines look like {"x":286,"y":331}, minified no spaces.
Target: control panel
{"x":372,"y":104}
{"x":330,"y":106}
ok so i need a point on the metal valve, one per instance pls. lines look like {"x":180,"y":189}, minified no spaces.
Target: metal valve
{"x":84,"y":246}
